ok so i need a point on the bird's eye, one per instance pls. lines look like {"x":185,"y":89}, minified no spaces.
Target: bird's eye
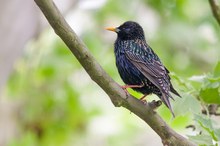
{"x":127,"y":30}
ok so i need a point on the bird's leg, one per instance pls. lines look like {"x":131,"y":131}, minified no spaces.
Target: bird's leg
{"x":143,"y":98}
{"x":132,"y":86}
{"x":125,"y":89}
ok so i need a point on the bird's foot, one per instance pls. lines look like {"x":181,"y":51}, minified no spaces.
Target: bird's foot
{"x":143,"y":99}
{"x":125,"y":89}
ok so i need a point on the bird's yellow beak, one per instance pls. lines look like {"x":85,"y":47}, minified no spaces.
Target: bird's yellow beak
{"x":111,"y":29}
{"x":115,"y":29}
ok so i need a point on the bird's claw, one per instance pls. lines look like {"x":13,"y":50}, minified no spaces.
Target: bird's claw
{"x":126,"y":91}
{"x":144,"y":101}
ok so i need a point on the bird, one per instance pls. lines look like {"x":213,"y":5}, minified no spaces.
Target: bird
{"x":139,"y":66}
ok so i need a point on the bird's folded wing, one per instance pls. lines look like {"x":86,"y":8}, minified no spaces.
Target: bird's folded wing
{"x":152,"y":70}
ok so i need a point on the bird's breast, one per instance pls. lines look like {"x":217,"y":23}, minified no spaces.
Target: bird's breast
{"x":128,"y":72}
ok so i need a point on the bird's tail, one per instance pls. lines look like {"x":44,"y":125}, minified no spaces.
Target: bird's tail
{"x":166,"y":101}
{"x":174,"y":91}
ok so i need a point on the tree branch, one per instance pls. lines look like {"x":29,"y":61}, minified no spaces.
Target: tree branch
{"x":215,"y":10}
{"x":115,"y":92}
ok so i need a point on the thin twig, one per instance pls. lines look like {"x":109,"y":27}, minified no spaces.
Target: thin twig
{"x":215,"y":9}
{"x":212,"y":109}
{"x":97,"y":74}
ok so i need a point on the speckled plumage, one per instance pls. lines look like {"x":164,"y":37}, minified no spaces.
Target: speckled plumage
{"x":138,"y":64}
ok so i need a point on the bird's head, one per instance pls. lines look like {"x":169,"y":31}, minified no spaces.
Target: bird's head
{"x":128,"y":31}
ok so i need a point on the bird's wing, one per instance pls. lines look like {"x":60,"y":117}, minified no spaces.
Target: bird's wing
{"x":151,"y":67}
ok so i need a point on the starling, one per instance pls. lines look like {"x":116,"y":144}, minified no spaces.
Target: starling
{"x":139,"y":67}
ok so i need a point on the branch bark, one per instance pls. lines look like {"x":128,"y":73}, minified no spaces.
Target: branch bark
{"x":115,"y":92}
{"x":215,"y":9}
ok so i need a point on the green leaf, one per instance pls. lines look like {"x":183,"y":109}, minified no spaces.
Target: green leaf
{"x":201,"y":140}
{"x":207,"y":125}
{"x":214,"y":80}
{"x":186,"y":104}
{"x":210,"y":95}
{"x":204,"y":121}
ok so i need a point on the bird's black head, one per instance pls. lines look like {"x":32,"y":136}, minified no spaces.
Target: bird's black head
{"x":129,"y":31}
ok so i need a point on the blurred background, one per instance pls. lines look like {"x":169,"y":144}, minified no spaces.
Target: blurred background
{"x":47,"y":98}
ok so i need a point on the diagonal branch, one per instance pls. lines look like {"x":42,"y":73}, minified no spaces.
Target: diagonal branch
{"x":215,"y":9}
{"x":97,"y":74}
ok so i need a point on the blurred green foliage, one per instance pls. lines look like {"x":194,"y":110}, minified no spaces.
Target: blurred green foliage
{"x":208,"y":92}
{"x":50,"y":107}
{"x":50,"y":85}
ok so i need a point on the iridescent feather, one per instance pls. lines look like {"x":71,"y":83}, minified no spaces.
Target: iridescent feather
{"x":138,"y":64}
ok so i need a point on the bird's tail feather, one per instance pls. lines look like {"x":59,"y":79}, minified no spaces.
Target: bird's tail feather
{"x":165,"y":100}
{"x":174,"y":91}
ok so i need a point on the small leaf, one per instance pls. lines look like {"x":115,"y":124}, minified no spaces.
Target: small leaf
{"x":210,"y":95}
